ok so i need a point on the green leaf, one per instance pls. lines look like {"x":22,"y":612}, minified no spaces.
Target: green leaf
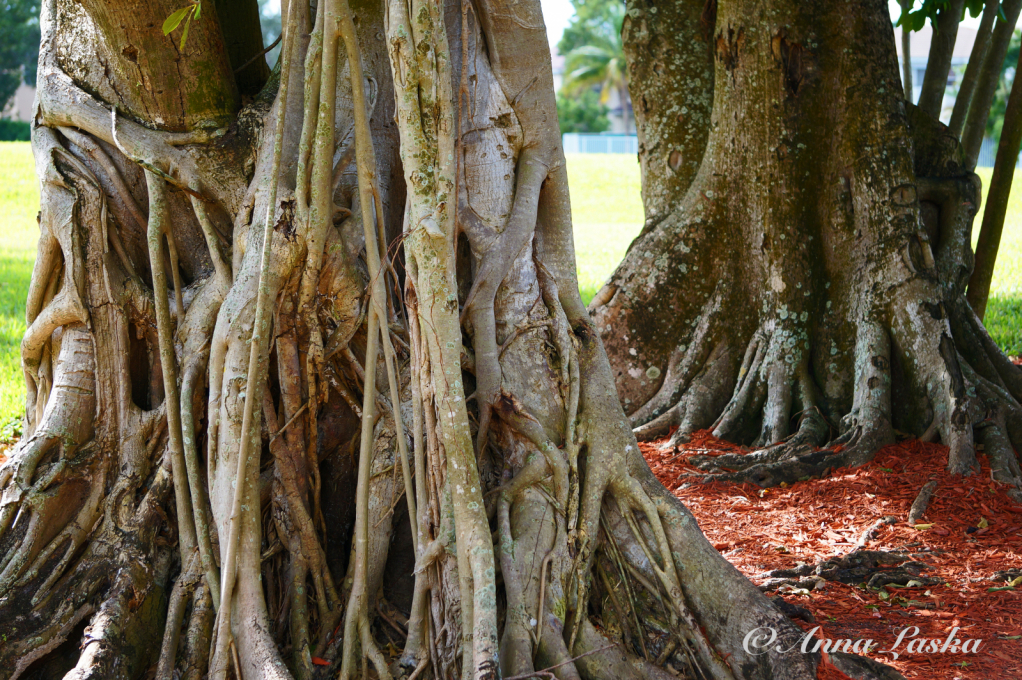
{"x":994,"y":590}
{"x":174,"y":20}
{"x":198,"y":9}
{"x":184,"y":34}
{"x":975,"y":8}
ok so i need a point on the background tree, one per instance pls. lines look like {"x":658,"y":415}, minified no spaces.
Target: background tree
{"x":582,"y":112}
{"x":269,"y":19}
{"x":276,"y":328}
{"x":19,"y":50}
{"x":593,"y":56}
{"x":803,"y":285}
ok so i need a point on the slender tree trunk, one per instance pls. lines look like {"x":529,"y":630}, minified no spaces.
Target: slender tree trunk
{"x":989,"y":78}
{"x":906,"y":54}
{"x":938,"y":63}
{"x":973,"y":69}
{"x":997,"y":200}
{"x":803,"y":293}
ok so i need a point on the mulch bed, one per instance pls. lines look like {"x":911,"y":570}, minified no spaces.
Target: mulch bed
{"x":759,"y":530}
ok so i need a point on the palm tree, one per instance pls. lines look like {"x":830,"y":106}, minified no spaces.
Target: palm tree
{"x":601,"y":61}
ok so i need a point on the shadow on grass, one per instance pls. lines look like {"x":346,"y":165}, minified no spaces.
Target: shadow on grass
{"x":15,"y":274}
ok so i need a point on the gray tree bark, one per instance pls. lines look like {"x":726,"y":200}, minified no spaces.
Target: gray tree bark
{"x":807,"y":290}
{"x":216,"y":479}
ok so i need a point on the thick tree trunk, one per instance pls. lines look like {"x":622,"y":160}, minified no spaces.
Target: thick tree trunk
{"x":808,"y":288}
{"x":214,"y":472}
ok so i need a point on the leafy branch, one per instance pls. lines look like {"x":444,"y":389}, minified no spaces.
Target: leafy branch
{"x":185,"y":14}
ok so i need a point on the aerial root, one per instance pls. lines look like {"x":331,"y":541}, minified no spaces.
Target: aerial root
{"x":685,"y":365}
{"x":1004,"y":464}
{"x":631,"y":497}
{"x":1008,"y":372}
{"x":62,"y":516}
{"x":309,"y":557}
{"x":179,"y":597}
{"x":596,"y":656}
{"x":812,"y":432}
{"x":198,"y":635}
{"x":702,"y":402}
{"x":256,"y":376}
{"x":122,"y":637}
{"x":75,"y":533}
{"x":749,"y":393}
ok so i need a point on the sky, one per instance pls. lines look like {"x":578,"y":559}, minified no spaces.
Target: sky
{"x":556,"y":14}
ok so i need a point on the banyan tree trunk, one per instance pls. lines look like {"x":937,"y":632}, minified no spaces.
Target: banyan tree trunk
{"x":311,"y":386}
{"x":799,"y":282}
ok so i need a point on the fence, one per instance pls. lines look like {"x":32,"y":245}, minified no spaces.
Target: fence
{"x":988,"y":154}
{"x":578,"y":142}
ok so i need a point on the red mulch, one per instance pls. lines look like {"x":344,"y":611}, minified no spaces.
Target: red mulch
{"x":762,"y":529}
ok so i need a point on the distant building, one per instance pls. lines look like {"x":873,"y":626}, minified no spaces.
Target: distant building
{"x":557,"y":62}
{"x":920,"y":53}
{"x":20,"y":105}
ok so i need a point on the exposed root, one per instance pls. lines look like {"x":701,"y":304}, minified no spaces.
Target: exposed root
{"x":257,"y":361}
{"x":921,"y":503}
{"x":874,"y":568}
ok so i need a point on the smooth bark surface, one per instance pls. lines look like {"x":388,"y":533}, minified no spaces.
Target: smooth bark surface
{"x":989,"y":77}
{"x":997,"y":200}
{"x":906,"y":53}
{"x":970,"y":78}
{"x":938,"y":62}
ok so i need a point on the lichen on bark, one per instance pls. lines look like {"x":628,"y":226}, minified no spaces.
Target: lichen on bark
{"x":806,"y":291}
{"x":215,"y":479}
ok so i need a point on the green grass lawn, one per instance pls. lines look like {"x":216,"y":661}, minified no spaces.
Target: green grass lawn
{"x":19,"y":204}
{"x":606,"y":210}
